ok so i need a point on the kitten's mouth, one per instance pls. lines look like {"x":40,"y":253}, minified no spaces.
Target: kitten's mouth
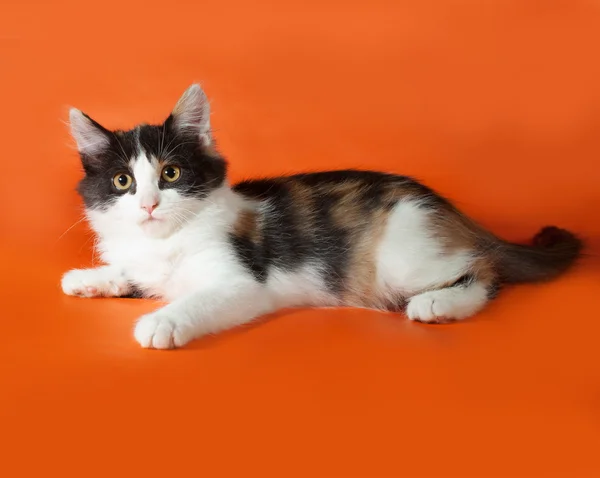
{"x":150,"y":219}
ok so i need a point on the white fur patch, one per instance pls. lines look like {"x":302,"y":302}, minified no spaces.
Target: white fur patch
{"x":184,"y":251}
{"x":410,"y":258}
{"x":304,"y":287}
{"x":146,"y":172}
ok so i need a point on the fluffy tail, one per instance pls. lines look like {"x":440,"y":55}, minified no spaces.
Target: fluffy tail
{"x":553,"y":251}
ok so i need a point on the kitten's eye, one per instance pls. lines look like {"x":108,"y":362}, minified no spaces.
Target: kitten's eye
{"x":171,"y":173}
{"x":122,"y":181}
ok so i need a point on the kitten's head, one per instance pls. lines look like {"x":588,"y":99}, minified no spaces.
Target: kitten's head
{"x":151,"y":177}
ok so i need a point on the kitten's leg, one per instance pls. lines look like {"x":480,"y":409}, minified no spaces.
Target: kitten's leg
{"x":203,"y":312}
{"x":107,"y":281}
{"x":451,"y":303}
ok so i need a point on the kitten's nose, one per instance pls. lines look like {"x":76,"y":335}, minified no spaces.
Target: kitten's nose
{"x":150,"y":207}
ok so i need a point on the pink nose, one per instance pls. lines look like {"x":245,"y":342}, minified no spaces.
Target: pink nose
{"x":150,"y":207}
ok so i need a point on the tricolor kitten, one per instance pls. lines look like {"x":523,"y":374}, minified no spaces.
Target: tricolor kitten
{"x":170,"y":226}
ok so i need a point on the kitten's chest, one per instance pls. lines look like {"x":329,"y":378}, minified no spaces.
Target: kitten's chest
{"x":153,"y":266}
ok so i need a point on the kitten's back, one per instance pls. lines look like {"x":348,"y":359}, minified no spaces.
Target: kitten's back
{"x":376,"y":238}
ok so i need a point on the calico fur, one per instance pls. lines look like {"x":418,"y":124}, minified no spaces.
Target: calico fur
{"x":222,"y":255}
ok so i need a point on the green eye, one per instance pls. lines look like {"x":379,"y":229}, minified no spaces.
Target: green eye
{"x":171,"y":173}
{"x":122,"y":181}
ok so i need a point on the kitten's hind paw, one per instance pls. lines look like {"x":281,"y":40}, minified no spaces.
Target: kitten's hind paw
{"x":101,"y":282}
{"x":427,"y":308}
{"x":449,"y":304}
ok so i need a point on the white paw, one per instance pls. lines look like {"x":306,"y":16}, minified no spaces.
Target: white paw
{"x":163,"y":329}
{"x":445,"y":305}
{"x":431,"y":307}
{"x":101,"y":282}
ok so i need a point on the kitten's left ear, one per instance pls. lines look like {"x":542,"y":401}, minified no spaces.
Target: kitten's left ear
{"x":192,"y":114}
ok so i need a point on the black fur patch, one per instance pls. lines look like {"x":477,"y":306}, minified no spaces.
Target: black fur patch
{"x":493,"y":290}
{"x":468,"y":279}
{"x":291,"y":236}
{"x":251,"y":255}
{"x":284,"y":244}
{"x":134,"y":293}
{"x":464,"y":281}
{"x":200,"y":172}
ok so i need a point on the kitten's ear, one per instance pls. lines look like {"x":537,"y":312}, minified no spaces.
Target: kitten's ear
{"x":91,"y":138}
{"x":192,"y":114}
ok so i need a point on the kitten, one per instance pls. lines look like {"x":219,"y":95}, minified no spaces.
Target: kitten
{"x":170,"y":226}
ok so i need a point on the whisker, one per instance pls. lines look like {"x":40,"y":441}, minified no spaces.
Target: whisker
{"x":172,"y":150}
{"x":79,"y":221}
{"x":124,"y":157}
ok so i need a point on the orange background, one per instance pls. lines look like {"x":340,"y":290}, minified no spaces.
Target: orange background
{"x":494,"y":103}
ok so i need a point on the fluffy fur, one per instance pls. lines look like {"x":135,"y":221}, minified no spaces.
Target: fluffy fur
{"x":169,"y":226}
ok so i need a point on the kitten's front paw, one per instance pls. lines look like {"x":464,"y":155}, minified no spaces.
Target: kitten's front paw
{"x":101,"y":282}
{"x":163,"y":330}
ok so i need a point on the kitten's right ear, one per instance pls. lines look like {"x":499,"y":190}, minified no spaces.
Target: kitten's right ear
{"x":91,"y":138}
